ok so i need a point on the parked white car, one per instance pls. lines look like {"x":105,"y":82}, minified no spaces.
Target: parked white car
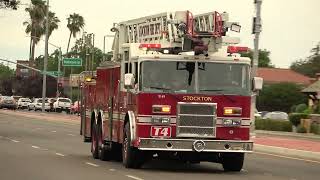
{"x":37,"y":105}
{"x":276,"y":115}
{"x":62,"y":104}
{"x":23,"y":103}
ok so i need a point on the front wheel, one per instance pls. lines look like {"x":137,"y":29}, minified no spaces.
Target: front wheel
{"x":131,"y":156}
{"x":232,"y":161}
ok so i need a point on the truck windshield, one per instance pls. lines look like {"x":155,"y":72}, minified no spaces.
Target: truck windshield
{"x":179,"y":77}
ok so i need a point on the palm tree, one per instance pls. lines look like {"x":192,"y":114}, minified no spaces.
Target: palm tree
{"x":36,"y":12}
{"x":53,"y":22}
{"x":75,"y":24}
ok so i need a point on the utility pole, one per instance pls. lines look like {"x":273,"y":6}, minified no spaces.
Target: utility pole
{"x":59,"y":64}
{"x":44,"y":81}
{"x":256,"y":30}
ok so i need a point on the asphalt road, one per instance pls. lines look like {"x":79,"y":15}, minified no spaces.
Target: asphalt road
{"x":41,"y":149}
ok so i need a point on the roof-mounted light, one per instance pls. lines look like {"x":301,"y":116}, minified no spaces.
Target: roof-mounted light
{"x":237,"y":49}
{"x":150,"y":46}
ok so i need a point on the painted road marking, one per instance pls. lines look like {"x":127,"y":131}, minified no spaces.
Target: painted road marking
{"x":59,"y":154}
{"x":71,"y":135}
{"x":14,"y":141}
{"x":36,"y":147}
{"x":112,"y":170}
{"x":287,"y":157}
{"x":134,"y":177}
{"x":92,"y":164}
{"x":54,"y":131}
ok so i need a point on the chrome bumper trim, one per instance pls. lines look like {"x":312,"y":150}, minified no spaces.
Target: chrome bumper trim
{"x":151,"y":144}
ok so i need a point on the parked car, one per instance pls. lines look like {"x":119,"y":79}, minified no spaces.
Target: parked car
{"x":23,"y":103}
{"x":51,"y":101}
{"x":7,"y":102}
{"x":276,"y":115}
{"x":75,"y":108}
{"x":62,"y":104}
{"x":37,"y":105}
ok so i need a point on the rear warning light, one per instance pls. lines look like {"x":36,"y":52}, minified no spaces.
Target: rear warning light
{"x":237,"y":49}
{"x":164,"y":109}
{"x":150,"y":46}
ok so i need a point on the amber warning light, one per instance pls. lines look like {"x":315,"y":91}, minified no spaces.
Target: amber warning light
{"x":165,"y":109}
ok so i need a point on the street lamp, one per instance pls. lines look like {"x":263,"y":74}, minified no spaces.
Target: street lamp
{"x":104,"y":46}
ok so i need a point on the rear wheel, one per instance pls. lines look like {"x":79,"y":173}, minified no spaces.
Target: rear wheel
{"x":131,"y":156}
{"x":105,"y":153}
{"x":94,"y":142}
{"x":232,"y":161}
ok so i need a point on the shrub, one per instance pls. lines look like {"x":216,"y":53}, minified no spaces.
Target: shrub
{"x":300,"y":108}
{"x":301,"y":129}
{"x":296,"y":117}
{"x":315,"y":128}
{"x":273,"y":125}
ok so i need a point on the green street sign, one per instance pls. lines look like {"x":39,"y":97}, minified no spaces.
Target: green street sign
{"x":53,"y":73}
{"x":72,"y":62}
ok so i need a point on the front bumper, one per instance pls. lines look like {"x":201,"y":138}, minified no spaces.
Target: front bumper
{"x":150,"y":144}
{"x":8,"y":105}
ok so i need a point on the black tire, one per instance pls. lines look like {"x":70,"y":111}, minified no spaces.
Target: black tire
{"x":131,"y":156}
{"x":94,"y":142}
{"x":232,"y":161}
{"x":105,"y":154}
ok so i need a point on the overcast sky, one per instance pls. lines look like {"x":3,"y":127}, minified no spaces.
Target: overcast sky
{"x":291,"y":28}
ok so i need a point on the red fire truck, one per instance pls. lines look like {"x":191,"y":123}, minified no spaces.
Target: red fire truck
{"x":175,"y":88}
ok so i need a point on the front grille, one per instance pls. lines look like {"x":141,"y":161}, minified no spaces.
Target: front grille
{"x":196,"y":119}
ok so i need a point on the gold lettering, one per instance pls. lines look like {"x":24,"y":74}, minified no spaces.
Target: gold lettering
{"x":197,"y":98}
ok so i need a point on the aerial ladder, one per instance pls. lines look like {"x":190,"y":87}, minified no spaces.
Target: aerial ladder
{"x":178,"y":31}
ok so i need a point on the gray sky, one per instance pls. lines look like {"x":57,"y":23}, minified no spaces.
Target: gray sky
{"x":290,"y":27}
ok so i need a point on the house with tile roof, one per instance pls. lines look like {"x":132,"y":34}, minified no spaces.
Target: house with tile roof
{"x":277,"y":75}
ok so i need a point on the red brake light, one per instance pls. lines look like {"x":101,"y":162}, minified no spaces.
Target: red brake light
{"x":150,"y":46}
{"x":237,"y":49}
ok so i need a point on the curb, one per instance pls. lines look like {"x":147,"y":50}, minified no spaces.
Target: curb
{"x":288,"y":134}
{"x":304,"y":155}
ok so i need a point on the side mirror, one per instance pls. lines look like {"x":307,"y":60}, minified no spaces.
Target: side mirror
{"x":129,"y":81}
{"x":257,"y":83}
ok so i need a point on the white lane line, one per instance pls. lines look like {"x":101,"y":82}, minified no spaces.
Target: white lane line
{"x":243,"y":170}
{"x":45,"y":149}
{"x":14,"y":140}
{"x":36,"y":147}
{"x":54,"y":131}
{"x":92,"y":164}
{"x":59,"y":154}
{"x":134,"y":177}
{"x":287,"y":157}
{"x":112,"y":170}
{"x":71,"y":135}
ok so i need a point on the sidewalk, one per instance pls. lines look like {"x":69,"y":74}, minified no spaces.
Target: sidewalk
{"x":297,"y":145}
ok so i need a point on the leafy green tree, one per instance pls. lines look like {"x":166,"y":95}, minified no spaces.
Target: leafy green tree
{"x":6,"y":75}
{"x":264,"y":57}
{"x":308,"y":67}
{"x":6,"y":72}
{"x":280,"y":97}
{"x":75,"y":24}
{"x":9,"y":4}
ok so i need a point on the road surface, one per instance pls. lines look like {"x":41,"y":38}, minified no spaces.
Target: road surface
{"x":37,"y":149}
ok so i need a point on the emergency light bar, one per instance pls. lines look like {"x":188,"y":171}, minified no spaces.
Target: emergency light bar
{"x":150,"y":46}
{"x":237,"y":49}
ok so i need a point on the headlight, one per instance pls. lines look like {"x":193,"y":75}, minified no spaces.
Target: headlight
{"x":232,"y":122}
{"x":161,"y":120}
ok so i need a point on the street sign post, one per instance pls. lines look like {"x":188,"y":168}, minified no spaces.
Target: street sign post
{"x":72,"y":62}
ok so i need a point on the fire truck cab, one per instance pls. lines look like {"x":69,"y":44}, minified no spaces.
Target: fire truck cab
{"x":176,"y":88}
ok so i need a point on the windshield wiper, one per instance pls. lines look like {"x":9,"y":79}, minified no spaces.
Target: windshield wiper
{"x":160,"y":88}
{"x":213,"y":90}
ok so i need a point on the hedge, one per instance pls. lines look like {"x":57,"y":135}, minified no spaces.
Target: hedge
{"x":296,"y":117}
{"x":273,"y":125}
{"x":315,"y":128}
